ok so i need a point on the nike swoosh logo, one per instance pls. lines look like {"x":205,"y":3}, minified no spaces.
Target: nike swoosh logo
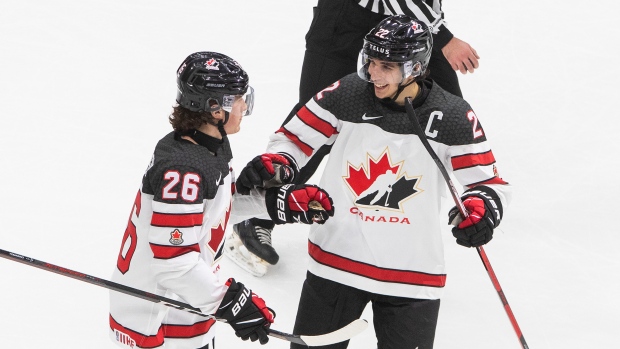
{"x":364,"y":117}
{"x":219,"y":179}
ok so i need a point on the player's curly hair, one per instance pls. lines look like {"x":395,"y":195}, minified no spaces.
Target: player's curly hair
{"x":184,"y":121}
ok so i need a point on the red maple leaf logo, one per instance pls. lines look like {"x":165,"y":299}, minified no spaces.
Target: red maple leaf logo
{"x":361,"y":178}
{"x":217,"y":233}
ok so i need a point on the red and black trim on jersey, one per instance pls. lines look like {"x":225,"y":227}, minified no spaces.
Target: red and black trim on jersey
{"x":168,"y":251}
{"x":408,"y":277}
{"x":177,"y":220}
{"x":471,"y":160}
{"x":311,"y":119}
{"x":306,"y":148}
{"x":165,"y":331}
{"x":311,"y":125}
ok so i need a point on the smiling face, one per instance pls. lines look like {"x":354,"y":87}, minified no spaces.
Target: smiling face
{"x":386,"y":76}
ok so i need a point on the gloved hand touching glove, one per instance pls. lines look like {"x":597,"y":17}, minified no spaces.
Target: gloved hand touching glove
{"x":301,"y":203}
{"x":265,"y":171}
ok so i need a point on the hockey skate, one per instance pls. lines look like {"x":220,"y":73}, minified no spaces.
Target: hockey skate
{"x":249,"y":246}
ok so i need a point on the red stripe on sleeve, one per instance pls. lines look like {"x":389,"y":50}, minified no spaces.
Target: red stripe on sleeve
{"x":303,"y":146}
{"x":167,"y":252}
{"x":471,"y":160}
{"x":188,"y":331}
{"x":374,"y":272}
{"x":320,"y":125}
{"x":176,"y":220}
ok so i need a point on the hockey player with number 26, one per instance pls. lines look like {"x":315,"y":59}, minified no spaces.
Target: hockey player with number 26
{"x":175,"y":234}
{"x":384,"y":244}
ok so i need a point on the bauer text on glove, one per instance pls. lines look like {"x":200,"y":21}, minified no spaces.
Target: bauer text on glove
{"x":301,"y":203}
{"x":245,"y":312}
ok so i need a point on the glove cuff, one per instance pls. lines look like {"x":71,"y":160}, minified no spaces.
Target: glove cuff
{"x":293,"y":165}
{"x":277,"y":208}
{"x":229,"y":296}
{"x":492,"y":203}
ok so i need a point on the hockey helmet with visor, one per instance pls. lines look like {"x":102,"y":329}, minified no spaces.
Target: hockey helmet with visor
{"x":397,"y":39}
{"x":209,"y":81}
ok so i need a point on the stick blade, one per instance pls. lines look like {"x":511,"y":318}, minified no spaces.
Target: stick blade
{"x":354,"y":328}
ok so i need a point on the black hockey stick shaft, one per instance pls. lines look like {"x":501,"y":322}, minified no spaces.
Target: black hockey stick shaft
{"x":298,"y":339}
{"x":459,"y":204}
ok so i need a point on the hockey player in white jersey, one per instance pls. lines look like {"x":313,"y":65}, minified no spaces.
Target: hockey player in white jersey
{"x":174,"y":238}
{"x":384,"y":244}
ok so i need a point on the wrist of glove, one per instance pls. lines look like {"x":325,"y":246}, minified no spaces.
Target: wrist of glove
{"x":301,"y":203}
{"x":485,"y":212}
{"x":266,"y":171}
{"x":245,"y":312}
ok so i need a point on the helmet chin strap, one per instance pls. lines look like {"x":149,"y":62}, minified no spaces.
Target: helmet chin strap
{"x":220,"y":124}
{"x":416,"y":69}
{"x":401,"y":88}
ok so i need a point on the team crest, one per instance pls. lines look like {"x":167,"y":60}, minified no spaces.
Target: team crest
{"x":212,"y":64}
{"x":417,"y":28}
{"x":379,"y":184}
{"x":176,"y":237}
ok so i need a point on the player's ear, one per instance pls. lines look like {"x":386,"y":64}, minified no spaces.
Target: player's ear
{"x":218,"y":114}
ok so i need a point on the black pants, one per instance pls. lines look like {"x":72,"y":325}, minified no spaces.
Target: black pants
{"x":400,"y":323}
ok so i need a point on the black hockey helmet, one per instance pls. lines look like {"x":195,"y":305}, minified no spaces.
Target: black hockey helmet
{"x":208,"y":81}
{"x":400,"y":39}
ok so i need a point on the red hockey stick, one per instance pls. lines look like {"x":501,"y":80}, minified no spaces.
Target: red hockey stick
{"x":457,"y":200}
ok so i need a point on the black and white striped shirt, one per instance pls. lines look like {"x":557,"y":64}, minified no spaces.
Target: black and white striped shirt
{"x":427,"y":11}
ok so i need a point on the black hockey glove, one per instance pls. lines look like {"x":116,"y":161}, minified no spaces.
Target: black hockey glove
{"x":265,"y":171}
{"x":245,"y":312}
{"x":485,"y":212}
{"x":300,"y":203}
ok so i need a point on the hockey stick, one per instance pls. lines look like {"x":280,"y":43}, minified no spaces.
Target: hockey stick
{"x":459,"y":204}
{"x":340,"y":335}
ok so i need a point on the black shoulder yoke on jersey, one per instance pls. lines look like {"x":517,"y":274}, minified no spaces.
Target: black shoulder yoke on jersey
{"x":174,"y":159}
{"x":354,"y":101}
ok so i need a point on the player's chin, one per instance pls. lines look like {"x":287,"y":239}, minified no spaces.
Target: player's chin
{"x":233,"y":130}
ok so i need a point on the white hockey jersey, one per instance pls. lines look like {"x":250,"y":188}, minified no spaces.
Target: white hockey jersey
{"x":385,"y":235}
{"x":173,"y":242}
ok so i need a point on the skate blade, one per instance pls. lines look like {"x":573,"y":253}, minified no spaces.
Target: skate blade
{"x":244,"y":258}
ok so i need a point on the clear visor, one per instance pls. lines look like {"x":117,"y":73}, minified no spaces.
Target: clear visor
{"x":377,"y":71}
{"x":242,"y":104}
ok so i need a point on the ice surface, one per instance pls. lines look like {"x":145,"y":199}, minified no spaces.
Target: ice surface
{"x":86,"y":86}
